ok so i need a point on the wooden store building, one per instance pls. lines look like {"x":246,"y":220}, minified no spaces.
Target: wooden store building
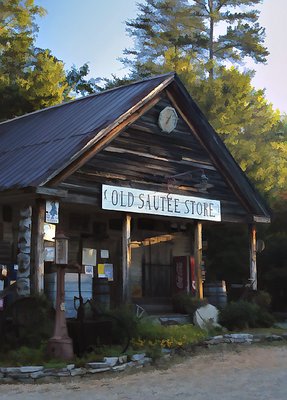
{"x":131,"y":176}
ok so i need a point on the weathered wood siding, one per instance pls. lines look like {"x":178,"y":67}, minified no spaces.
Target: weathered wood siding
{"x":144,"y":157}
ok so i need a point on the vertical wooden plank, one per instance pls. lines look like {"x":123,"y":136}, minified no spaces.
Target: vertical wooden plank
{"x":252,"y":256}
{"x":188,"y":277}
{"x":126,"y":251}
{"x":38,"y":219}
{"x":198,"y":258}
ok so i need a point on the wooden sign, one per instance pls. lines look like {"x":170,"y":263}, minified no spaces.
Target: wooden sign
{"x":159,"y":203}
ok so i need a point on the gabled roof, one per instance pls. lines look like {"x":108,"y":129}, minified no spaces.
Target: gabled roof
{"x":35,"y":146}
{"x":38,"y":148}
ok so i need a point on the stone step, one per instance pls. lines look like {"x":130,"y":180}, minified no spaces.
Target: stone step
{"x":172,"y":319}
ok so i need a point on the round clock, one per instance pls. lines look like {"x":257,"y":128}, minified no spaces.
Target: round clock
{"x":167,"y":119}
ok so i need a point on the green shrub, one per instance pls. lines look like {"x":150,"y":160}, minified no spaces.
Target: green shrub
{"x":243,"y":315}
{"x":24,"y":356}
{"x":262,"y":299}
{"x":185,"y":303}
{"x":152,"y":335}
{"x":27,"y":322}
{"x":128,"y":319}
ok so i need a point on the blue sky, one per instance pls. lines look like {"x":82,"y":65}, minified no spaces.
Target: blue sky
{"x":79,"y":31}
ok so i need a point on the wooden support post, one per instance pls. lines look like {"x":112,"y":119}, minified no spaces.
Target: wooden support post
{"x":126,"y":251}
{"x":198,"y":259}
{"x":38,"y":219}
{"x":252,"y":256}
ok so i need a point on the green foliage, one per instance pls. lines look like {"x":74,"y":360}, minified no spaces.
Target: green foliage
{"x":78,"y":82}
{"x":185,"y":303}
{"x":161,"y":26}
{"x":188,"y":30}
{"x":262,"y":299}
{"x":27,"y":322}
{"x":30,"y":78}
{"x":152,"y":337}
{"x":24,"y":356}
{"x":246,"y":122}
{"x":181,"y":36}
{"x":129,"y":321}
{"x":272,"y":262}
{"x":244,"y":315}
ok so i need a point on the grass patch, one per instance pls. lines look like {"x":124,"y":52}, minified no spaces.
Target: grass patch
{"x":152,"y":337}
{"x":23,"y":356}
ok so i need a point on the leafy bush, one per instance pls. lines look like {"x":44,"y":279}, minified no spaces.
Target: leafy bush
{"x":152,"y":335}
{"x":262,"y":299}
{"x":27,"y":322}
{"x":243,"y":315}
{"x":127,"y":318}
{"x":24,"y":356}
{"x":185,"y":303}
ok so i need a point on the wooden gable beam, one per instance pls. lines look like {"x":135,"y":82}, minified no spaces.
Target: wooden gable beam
{"x":104,"y":141}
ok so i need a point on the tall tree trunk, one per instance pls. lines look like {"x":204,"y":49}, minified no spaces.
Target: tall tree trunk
{"x":211,"y":42}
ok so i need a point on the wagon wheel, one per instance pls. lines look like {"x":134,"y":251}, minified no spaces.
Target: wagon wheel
{"x":114,"y":332}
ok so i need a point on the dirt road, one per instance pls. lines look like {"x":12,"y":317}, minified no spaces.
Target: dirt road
{"x":242,"y":374}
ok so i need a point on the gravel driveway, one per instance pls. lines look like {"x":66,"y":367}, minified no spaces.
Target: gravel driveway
{"x":249,"y":372}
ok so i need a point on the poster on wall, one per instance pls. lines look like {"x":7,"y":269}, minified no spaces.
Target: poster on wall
{"x":106,"y":271}
{"x":52,"y":212}
{"x":89,"y":256}
{"x":49,"y":254}
{"x":89,"y":270}
{"x":49,"y":232}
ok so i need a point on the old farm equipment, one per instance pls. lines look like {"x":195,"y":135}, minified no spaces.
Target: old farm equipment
{"x":95,"y":328}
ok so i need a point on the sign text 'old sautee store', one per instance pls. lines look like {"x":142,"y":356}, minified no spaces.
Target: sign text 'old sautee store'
{"x":167,"y":204}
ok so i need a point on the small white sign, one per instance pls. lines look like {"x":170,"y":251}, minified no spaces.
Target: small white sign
{"x":89,"y":270}
{"x":159,"y":203}
{"x":105,"y":254}
{"x":52,"y":212}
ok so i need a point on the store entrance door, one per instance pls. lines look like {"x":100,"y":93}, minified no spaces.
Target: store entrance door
{"x":157,"y":271}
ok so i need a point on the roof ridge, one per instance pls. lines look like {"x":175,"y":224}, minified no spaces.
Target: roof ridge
{"x":168,"y":74}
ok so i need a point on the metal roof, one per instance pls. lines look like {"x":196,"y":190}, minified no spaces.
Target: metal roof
{"x":36,"y":145}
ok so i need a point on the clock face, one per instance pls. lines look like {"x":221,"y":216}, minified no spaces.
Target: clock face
{"x":167,"y":119}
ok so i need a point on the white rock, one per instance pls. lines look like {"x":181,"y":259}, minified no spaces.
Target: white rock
{"x":31,"y":369}
{"x":78,"y":372}
{"x":111,"y":361}
{"x":98,"y":370}
{"x":137,"y":357}
{"x":97,"y":365}
{"x":119,"y":368}
{"x":37,"y":374}
{"x":123,"y":359}
{"x":239,"y":336}
{"x":206,"y":316}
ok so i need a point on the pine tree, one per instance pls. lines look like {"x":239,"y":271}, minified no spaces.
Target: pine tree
{"x":30,"y":78}
{"x":240,"y":34}
{"x":208,"y":32}
{"x":199,"y":40}
{"x":162,"y":27}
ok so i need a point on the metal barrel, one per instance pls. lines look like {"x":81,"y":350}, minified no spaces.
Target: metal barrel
{"x":215,"y":292}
